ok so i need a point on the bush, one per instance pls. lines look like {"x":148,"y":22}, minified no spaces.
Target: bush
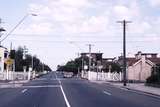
{"x":154,"y":79}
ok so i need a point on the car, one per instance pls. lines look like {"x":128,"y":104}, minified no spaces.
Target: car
{"x":67,"y":75}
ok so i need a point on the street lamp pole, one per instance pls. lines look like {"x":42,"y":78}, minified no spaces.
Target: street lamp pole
{"x":20,"y":22}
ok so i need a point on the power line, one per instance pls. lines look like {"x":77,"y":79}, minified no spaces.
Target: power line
{"x":83,"y":41}
{"x":79,"y":36}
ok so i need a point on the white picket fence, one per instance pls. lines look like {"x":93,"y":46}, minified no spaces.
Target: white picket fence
{"x":102,"y":76}
{"x":14,"y":75}
{"x":19,"y":75}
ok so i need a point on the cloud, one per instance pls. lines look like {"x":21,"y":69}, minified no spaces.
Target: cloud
{"x":92,"y":17}
{"x":122,"y":12}
{"x":69,"y":15}
{"x":75,"y":3}
{"x":154,"y":3}
{"x":36,"y":28}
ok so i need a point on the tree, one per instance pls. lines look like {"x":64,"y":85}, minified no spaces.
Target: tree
{"x":18,"y":59}
{"x":114,"y":67}
{"x":155,"y":75}
{"x":70,"y":66}
{"x":20,"y":62}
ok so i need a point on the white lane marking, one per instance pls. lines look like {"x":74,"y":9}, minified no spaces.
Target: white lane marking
{"x":65,"y":98}
{"x":42,"y":86}
{"x":64,"y":95}
{"x":55,"y":75}
{"x":23,"y":91}
{"x":59,"y":82}
{"x":124,"y":89}
{"x":105,"y":92}
{"x":40,"y":79}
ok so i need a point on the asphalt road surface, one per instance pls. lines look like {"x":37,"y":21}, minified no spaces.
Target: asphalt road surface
{"x":52,"y":90}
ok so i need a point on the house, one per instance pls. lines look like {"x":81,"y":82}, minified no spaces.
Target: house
{"x":139,"y":68}
{"x":3,"y":56}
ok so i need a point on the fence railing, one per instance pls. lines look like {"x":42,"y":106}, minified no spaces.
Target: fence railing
{"x":19,"y":75}
{"x":102,"y":76}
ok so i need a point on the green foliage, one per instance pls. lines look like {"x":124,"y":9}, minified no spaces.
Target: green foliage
{"x":72,"y":66}
{"x":38,"y":66}
{"x":114,"y":67}
{"x":155,"y":76}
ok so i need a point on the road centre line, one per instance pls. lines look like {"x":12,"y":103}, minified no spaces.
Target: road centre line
{"x":65,"y":98}
{"x":64,"y":95}
{"x":23,"y":91}
{"x":105,"y":92}
{"x":59,"y":81}
{"x":55,"y":75}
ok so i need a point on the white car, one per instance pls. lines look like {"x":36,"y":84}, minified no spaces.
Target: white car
{"x":67,"y":74}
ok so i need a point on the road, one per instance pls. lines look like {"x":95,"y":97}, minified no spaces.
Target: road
{"x":52,"y":90}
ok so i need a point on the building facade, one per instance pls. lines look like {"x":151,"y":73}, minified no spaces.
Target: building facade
{"x":3,"y":56}
{"x":139,"y":68}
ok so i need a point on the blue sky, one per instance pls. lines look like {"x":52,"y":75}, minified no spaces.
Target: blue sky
{"x":64,"y":27}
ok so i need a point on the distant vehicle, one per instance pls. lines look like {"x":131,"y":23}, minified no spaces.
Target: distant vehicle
{"x":67,"y":74}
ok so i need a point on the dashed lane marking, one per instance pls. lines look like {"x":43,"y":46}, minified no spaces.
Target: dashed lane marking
{"x":23,"y":91}
{"x":107,"y":93}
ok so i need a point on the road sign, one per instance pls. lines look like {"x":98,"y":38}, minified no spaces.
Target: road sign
{"x":9,"y":61}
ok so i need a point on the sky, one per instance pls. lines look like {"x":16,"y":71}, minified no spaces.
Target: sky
{"x":64,"y":28}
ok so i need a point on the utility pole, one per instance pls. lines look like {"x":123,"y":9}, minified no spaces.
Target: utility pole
{"x":25,"y":50}
{"x":90,"y":48}
{"x":78,"y":66}
{"x":32,"y":62}
{"x":42,"y":67}
{"x":124,"y":22}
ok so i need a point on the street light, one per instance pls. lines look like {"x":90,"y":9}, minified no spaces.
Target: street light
{"x":20,"y":22}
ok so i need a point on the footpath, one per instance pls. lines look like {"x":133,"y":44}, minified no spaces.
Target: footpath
{"x":12,"y":84}
{"x":141,"y":87}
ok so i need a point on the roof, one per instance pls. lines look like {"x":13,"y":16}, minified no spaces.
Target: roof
{"x":131,"y":61}
{"x":89,"y":53}
{"x":108,"y":59}
{"x":145,"y":53}
{"x":154,"y":60}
